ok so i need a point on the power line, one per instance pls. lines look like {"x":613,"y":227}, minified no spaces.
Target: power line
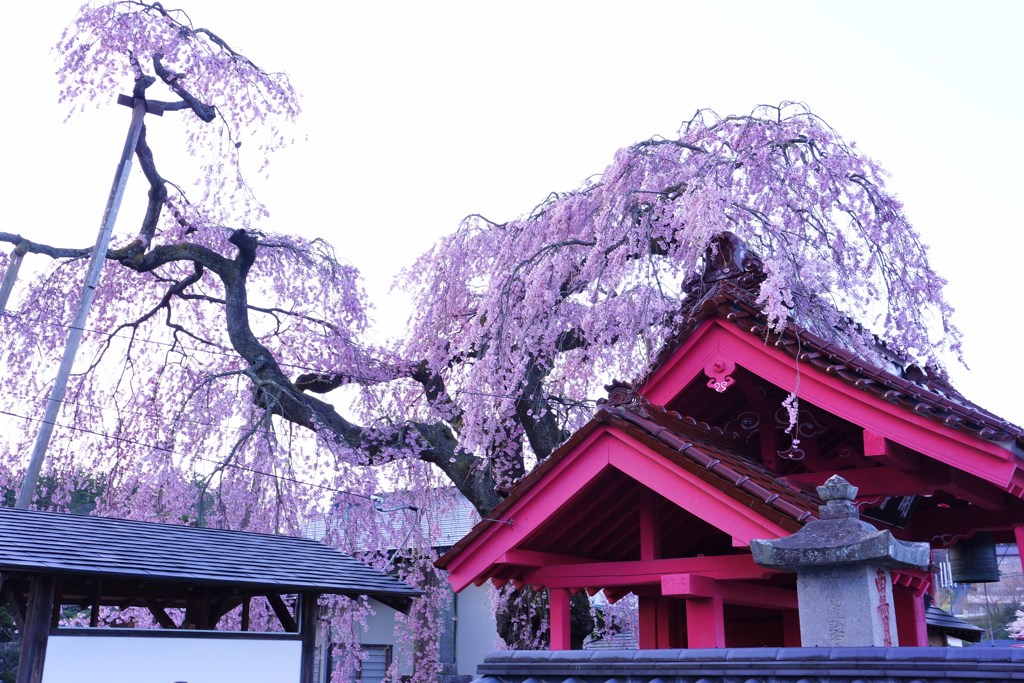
{"x":232,"y":354}
{"x":171,"y":452}
{"x":137,"y":412}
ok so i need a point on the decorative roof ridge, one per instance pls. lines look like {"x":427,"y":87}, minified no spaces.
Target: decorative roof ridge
{"x":623,"y":395}
{"x":728,"y":290}
{"x":954,"y":410}
{"x":628,"y":406}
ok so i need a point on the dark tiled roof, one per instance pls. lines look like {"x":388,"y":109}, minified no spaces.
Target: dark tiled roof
{"x":730,"y":294}
{"x":781,"y":665}
{"x":705,"y":451}
{"x":945,"y":622}
{"x":32,"y":541}
{"x":698,"y":448}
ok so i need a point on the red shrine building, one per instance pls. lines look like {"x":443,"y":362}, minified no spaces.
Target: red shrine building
{"x":662,"y":491}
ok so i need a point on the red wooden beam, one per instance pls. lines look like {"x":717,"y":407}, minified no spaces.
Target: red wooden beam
{"x":535,"y":558}
{"x":977,"y":492}
{"x":949,"y":522}
{"x":870,"y":481}
{"x":879,"y":448}
{"x":935,"y":441}
{"x":634,"y":573}
{"x":561,"y":637}
{"x":731,"y":592}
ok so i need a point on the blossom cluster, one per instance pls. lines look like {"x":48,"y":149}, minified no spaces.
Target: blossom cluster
{"x":604,"y":266}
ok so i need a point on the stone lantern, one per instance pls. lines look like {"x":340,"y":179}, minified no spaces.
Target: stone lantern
{"x":842,"y":563}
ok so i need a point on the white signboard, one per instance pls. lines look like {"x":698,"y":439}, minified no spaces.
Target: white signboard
{"x":205,"y":658}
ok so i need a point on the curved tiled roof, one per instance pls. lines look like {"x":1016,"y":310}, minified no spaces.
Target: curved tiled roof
{"x":715,"y":456}
{"x":729,"y":291}
{"x":688,"y":441}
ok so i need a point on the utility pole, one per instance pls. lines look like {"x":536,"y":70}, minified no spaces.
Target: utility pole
{"x":92,"y":277}
{"x":10,"y":275}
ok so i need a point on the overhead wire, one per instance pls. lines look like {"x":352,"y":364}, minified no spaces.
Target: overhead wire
{"x":295,"y":366}
{"x":170,"y":451}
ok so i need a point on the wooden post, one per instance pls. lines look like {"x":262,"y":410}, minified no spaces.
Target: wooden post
{"x":246,"y":601}
{"x":561,"y":638}
{"x":1018,"y":535}
{"x":37,"y":629}
{"x":670,"y":621}
{"x":309,"y":619}
{"x":648,"y":626}
{"x":650,"y":526}
{"x":790,"y":628}
{"x":705,"y":622}
{"x":911,"y":628}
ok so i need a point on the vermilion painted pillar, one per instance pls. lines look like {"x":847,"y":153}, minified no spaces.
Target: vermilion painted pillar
{"x":650,"y":527}
{"x":911,"y":629}
{"x":648,"y":623}
{"x":705,"y":622}
{"x":670,"y":623}
{"x":559,"y":620}
{"x":1018,"y":533}
{"x":790,"y":628}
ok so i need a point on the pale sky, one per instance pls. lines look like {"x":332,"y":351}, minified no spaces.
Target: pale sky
{"x":417,"y":114}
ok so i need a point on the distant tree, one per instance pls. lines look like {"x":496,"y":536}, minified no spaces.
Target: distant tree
{"x":212,"y":341}
{"x":1016,"y":626}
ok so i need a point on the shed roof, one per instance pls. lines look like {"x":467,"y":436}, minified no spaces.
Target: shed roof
{"x":33,"y":541}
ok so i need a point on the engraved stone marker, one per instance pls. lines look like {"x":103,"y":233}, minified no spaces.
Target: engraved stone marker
{"x":842,"y":565}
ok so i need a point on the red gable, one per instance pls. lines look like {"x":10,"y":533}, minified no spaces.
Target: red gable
{"x":662,"y":491}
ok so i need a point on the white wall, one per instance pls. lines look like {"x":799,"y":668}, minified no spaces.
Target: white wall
{"x":476,"y":635}
{"x":154,"y":659}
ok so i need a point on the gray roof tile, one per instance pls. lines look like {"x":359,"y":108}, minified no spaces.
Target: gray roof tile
{"x":31,"y":540}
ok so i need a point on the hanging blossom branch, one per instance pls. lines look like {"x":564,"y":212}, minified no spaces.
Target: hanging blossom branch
{"x":516,"y":324}
{"x":606,"y":264}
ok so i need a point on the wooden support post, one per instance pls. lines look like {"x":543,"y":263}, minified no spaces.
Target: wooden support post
{"x":161,"y":616}
{"x":791,"y":628}
{"x":558,"y":599}
{"x":309,"y":623}
{"x":705,"y":622}
{"x":15,"y":605}
{"x":1018,"y":534}
{"x":94,"y":607}
{"x":55,"y":602}
{"x":670,"y":623}
{"x":245,"y":612}
{"x":911,"y":629}
{"x":650,"y":526}
{"x":37,"y":629}
{"x":92,"y":278}
{"x":281,"y":610}
{"x":648,"y":626}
